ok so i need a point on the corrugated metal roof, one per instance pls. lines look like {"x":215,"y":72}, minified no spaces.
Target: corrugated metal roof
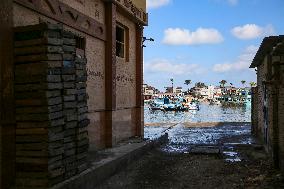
{"x":267,"y":45}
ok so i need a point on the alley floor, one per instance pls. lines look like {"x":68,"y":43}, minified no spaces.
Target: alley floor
{"x":227,"y":163}
{"x":159,"y":169}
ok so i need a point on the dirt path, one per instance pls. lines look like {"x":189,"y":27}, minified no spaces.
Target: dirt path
{"x":158,"y":169}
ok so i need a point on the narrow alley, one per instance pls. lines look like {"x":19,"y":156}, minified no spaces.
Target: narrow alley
{"x":232,"y":160}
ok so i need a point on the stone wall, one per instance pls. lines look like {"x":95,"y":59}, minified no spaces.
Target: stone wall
{"x":260,"y":126}
{"x":254,"y":112}
{"x":281,"y":124}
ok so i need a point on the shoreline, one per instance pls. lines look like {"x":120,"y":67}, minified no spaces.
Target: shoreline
{"x":197,"y":124}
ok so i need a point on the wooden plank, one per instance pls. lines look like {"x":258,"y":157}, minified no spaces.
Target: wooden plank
{"x":37,"y":57}
{"x":38,"y":27}
{"x":42,"y":41}
{"x":39,"y":102}
{"x":7,"y":116}
{"x":37,"y":87}
{"x":51,"y":123}
{"x":38,"y":94}
{"x":37,"y":50}
{"x":28,"y":79}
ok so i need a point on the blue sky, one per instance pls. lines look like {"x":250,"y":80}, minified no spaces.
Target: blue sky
{"x":207,"y":40}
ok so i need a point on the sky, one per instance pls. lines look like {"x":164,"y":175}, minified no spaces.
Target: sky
{"x":207,"y":40}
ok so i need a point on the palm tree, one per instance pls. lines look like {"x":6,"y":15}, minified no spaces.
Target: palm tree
{"x":172,"y":80}
{"x":200,"y":85}
{"x":243,"y":82}
{"x":223,"y":82}
{"x":252,"y":84}
{"x":187,"y":82}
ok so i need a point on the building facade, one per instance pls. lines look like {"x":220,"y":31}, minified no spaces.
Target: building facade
{"x":267,"y":97}
{"x":107,"y":36}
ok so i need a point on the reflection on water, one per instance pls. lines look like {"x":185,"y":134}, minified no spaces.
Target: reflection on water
{"x":183,"y":138}
{"x":207,"y":113}
{"x":180,"y":135}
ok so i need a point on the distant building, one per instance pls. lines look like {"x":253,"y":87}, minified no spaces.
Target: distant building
{"x":178,"y":91}
{"x":206,"y":92}
{"x":149,"y":91}
{"x":169,"y":90}
{"x":268,"y":97}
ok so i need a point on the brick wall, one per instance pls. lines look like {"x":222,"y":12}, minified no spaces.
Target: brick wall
{"x":260,"y":126}
{"x":281,"y":123}
{"x":270,"y":128}
{"x":254,"y":112}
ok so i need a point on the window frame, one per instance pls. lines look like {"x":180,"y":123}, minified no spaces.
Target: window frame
{"x":124,"y":43}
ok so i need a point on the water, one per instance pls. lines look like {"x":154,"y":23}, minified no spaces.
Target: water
{"x":207,"y":113}
{"x":184,"y":134}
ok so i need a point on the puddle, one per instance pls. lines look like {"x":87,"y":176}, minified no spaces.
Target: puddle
{"x":230,"y":154}
{"x":232,"y":160}
{"x":170,"y":148}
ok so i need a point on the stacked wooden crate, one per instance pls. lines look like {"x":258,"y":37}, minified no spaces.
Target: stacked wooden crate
{"x":70,"y":104}
{"x":39,"y":106}
{"x":51,"y":106}
{"x":82,"y":109}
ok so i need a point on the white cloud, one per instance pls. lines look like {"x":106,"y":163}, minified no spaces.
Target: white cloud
{"x":251,"y":31}
{"x":179,"y":36}
{"x":156,"y":3}
{"x":171,"y":68}
{"x":242,"y":63}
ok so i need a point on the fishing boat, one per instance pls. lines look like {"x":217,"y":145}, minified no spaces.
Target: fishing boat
{"x":192,"y":106}
{"x":157,"y":104}
{"x":173,"y":104}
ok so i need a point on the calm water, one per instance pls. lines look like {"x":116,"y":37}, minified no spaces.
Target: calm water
{"x":182,"y":137}
{"x":207,"y":113}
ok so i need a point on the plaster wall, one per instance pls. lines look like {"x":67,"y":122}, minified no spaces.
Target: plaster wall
{"x":124,"y":124}
{"x":140,"y":4}
{"x":92,"y":8}
{"x":124,"y":118}
{"x":126,"y":71}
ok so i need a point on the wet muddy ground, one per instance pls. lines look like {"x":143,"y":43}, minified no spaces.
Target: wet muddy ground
{"x":212,"y":156}
{"x":159,"y":169}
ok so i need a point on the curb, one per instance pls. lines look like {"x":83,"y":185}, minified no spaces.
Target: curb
{"x":98,"y":172}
